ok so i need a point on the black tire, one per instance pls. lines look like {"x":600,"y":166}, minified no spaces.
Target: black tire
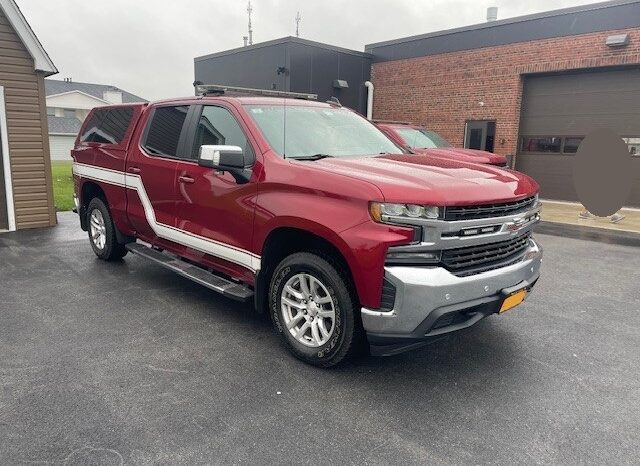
{"x":111,"y":250}
{"x":345,"y":339}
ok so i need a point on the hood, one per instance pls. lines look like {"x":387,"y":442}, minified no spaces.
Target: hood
{"x":409,"y":178}
{"x":465,"y":155}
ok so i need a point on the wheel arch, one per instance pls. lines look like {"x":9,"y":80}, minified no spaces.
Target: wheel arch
{"x":88,"y":191}
{"x":283,"y":241}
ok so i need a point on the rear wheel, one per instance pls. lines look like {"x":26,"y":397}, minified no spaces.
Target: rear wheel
{"x":102,"y":232}
{"x":313,"y":310}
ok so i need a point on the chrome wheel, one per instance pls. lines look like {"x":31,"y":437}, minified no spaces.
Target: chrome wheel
{"x":308,"y":310}
{"x":98,"y":229}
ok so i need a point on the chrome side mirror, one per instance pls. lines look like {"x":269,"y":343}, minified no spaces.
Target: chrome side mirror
{"x":221,"y":157}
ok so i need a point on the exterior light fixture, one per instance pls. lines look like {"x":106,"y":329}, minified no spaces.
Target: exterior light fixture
{"x":340,"y":84}
{"x":617,"y":40}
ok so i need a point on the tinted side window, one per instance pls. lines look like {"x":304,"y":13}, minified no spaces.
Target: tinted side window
{"x":107,"y":126}
{"x":91,"y":126}
{"x":217,"y":126}
{"x":164,"y":130}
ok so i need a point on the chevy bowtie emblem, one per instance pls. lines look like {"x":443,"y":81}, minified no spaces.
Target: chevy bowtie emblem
{"x":516,"y":224}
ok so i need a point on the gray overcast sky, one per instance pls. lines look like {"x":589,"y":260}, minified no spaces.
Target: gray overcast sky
{"x":147,"y":46}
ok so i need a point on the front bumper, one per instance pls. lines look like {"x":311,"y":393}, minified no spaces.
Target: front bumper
{"x":432,"y":302}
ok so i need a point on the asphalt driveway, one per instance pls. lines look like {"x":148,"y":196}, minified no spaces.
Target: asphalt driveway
{"x":127,"y":363}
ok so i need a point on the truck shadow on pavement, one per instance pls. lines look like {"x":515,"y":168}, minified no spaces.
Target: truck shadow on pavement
{"x":485,"y":347}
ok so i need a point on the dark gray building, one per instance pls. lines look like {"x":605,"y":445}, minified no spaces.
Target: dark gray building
{"x":294,"y":65}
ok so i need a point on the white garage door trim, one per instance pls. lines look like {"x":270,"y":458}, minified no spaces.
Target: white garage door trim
{"x":6,"y":161}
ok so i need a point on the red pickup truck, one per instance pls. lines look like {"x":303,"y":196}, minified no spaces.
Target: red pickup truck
{"x":424,"y":141}
{"x":307,"y":209}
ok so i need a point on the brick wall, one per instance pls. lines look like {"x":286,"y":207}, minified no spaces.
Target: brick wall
{"x":442,"y":91}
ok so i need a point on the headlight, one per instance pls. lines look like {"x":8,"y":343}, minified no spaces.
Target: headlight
{"x":381,"y":212}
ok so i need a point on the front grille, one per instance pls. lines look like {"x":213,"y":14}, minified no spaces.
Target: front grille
{"x":476,"y":259}
{"x":488,"y":210}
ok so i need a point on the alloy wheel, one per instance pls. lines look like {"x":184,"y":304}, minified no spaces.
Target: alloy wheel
{"x":98,"y":229}
{"x":308,"y":310}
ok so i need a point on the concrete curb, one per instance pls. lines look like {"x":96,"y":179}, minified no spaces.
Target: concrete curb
{"x":624,"y":238}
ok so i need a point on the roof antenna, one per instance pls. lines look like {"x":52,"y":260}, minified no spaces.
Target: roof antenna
{"x":298,"y":19}
{"x":249,"y":11}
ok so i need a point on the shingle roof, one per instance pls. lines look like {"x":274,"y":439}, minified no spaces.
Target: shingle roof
{"x":53,"y":87}
{"x":62,"y":125}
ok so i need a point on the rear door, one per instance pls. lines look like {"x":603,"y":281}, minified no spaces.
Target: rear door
{"x":151,"y":173}
{"x":212,"y":204}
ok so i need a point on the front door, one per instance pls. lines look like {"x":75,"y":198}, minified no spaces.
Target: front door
{"x":151,"y":174}
{"x":212,"y":204}
{"x":479,"y":134}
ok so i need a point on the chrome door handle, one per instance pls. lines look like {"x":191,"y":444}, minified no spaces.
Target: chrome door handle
{"x":185,"y":179}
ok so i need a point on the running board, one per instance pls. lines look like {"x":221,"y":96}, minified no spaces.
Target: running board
{"x":197,"y":274}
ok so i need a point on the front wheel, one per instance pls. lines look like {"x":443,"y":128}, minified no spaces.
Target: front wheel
{"x":102,"y":232}
{"x":313,"y":310}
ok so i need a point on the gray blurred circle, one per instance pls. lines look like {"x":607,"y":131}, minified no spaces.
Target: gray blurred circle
{"x":602,"y":172}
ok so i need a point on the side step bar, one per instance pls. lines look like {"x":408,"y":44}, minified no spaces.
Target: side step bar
{"x":199,"y":275}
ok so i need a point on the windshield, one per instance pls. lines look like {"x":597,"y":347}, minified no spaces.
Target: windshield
{"x":319,"y":131}
{"x":420,"y":138}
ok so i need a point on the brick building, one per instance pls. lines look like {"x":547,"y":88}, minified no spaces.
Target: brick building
{"x":532,"y":86}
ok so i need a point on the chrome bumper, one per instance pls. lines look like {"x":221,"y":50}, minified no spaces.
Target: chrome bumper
{"x":423,"y":295}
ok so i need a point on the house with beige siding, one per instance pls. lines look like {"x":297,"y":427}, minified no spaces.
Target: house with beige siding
{"x":26,"y":194}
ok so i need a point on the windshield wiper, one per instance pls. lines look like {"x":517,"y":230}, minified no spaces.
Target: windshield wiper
{"x":312,"y":157}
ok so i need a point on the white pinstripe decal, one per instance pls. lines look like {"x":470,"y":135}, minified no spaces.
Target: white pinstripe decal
{"x":215,"y":248}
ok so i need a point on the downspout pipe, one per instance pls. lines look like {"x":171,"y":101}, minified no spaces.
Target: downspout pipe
{"x":369,"y":86}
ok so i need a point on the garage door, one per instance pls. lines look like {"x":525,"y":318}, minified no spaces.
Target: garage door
{"x":559,"y":110}
{"x":60,"y":147}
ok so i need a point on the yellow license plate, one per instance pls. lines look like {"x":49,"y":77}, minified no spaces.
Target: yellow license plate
{"x":513,"y":300}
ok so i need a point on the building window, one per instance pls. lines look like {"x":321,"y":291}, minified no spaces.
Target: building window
{"x":69,"y":113}
{"x":51,"y":111}
{"x":634,"y":146}
{"x":571,"y":145}
{"x":544,"y":144}
{"x":567,"y":144}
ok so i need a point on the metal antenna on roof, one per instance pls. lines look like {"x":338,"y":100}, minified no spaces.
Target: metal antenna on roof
{"x":249,"y":11}
{"x":298,"y":19}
